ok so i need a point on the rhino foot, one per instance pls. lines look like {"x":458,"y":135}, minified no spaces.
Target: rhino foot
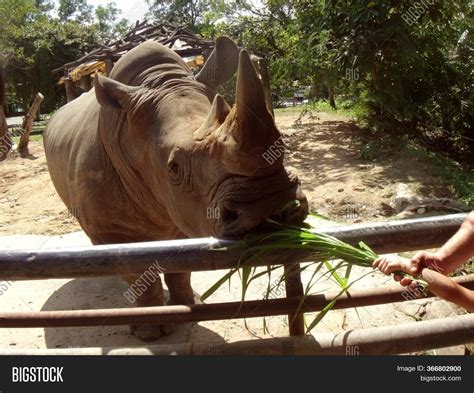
{"x":149,"y":333}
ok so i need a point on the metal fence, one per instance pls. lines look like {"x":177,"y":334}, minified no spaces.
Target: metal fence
{"x":190,"y":255}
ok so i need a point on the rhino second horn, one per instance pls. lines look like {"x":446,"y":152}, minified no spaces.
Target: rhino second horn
{"x":217,"y":115}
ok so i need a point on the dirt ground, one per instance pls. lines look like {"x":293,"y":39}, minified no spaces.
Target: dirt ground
{"x":324,"y":152}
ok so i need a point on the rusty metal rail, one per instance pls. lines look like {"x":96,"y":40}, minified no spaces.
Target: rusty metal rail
{"x":189,"y":255}
{"x":385,"y":340}
{"x":210,"y":311}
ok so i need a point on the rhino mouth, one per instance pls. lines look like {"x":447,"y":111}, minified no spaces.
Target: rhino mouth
{"x":246,"y":202}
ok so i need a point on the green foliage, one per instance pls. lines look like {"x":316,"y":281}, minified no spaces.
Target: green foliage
{"x":414,"y":71}
{"x":108,"y":25}
{"x":41,"y":42}
{"x":181,"y":12}
{"x":78,"y":10}
{"x":322,"y":249}
{"x":43,"y":46}
{"x":369,"y":151}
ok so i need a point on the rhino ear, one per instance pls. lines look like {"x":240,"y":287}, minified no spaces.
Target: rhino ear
{"x":111,"y":93}
{"x":218,"y":113}
{"x":221,"y":64}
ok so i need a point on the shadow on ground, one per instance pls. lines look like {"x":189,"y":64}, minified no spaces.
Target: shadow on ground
{"x":84,"y":294}
{"x":328,"y":151}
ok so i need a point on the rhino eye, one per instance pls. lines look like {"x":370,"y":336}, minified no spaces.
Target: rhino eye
{"x":173,"y":167}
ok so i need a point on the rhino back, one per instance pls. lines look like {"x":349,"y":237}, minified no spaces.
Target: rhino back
{"x":81,"y":170}
{"x":133,"y":67}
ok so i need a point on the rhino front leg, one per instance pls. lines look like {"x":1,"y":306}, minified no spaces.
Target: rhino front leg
{"x":179,"y":285}
{"x":152,"y":295}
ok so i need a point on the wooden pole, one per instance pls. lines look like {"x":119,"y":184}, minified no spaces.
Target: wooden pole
{"x":28,"y":125}
{"x":294,"y":287}
{"x":86,"y":83}
{"x":5,"y":142}
{"x":109,"y":64}
{"x":69,"y":86}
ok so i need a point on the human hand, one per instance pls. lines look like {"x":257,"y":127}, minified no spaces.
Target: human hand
{"x":421,"y":260}
{"x":389,"y":264}
{"x":395,"y":264}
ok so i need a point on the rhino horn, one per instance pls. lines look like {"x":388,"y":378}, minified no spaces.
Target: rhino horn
{"x":253,"y":126}
{"x":250,"y":98}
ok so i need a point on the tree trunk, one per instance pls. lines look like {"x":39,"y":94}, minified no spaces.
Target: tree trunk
{"x":332,"y":101}
{"x":28,"y":125}
{"x":5,"y":142}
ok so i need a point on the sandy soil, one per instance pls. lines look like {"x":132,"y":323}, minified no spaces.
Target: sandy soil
{"x":29,"y":203}
{"x":324,"y":153}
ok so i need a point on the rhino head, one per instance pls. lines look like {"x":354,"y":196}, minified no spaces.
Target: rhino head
{"x":185,"y":155}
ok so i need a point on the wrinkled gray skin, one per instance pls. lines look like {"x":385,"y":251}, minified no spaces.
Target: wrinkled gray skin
{"x":153,"y":153}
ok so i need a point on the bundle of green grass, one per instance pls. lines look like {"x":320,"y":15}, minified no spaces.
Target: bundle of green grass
{"x":325,"y":251}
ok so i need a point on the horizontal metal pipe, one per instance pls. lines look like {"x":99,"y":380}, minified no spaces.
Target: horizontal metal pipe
{"x":210,"y":311}
{"x":385,"y":340}
{"x":188,"y":255}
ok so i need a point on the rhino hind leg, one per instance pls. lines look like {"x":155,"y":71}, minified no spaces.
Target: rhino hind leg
{"x":151,"y":296}
{"x":179,"y":286}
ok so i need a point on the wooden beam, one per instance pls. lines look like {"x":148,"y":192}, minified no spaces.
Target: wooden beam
{"x":165,"y":34}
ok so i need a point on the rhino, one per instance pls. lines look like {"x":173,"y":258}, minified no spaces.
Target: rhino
{"x":153,"y":152}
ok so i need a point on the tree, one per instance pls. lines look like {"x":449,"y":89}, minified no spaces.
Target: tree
{"x":42,"y":42}
{"x":77,"y":10}
{"x":187,"y":12}
{"x":43,"y":45}
{"x":108,"y":24}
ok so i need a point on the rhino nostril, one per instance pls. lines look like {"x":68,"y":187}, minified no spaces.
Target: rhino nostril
{"x":229,"y":216}
{"x":293,"y":212}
